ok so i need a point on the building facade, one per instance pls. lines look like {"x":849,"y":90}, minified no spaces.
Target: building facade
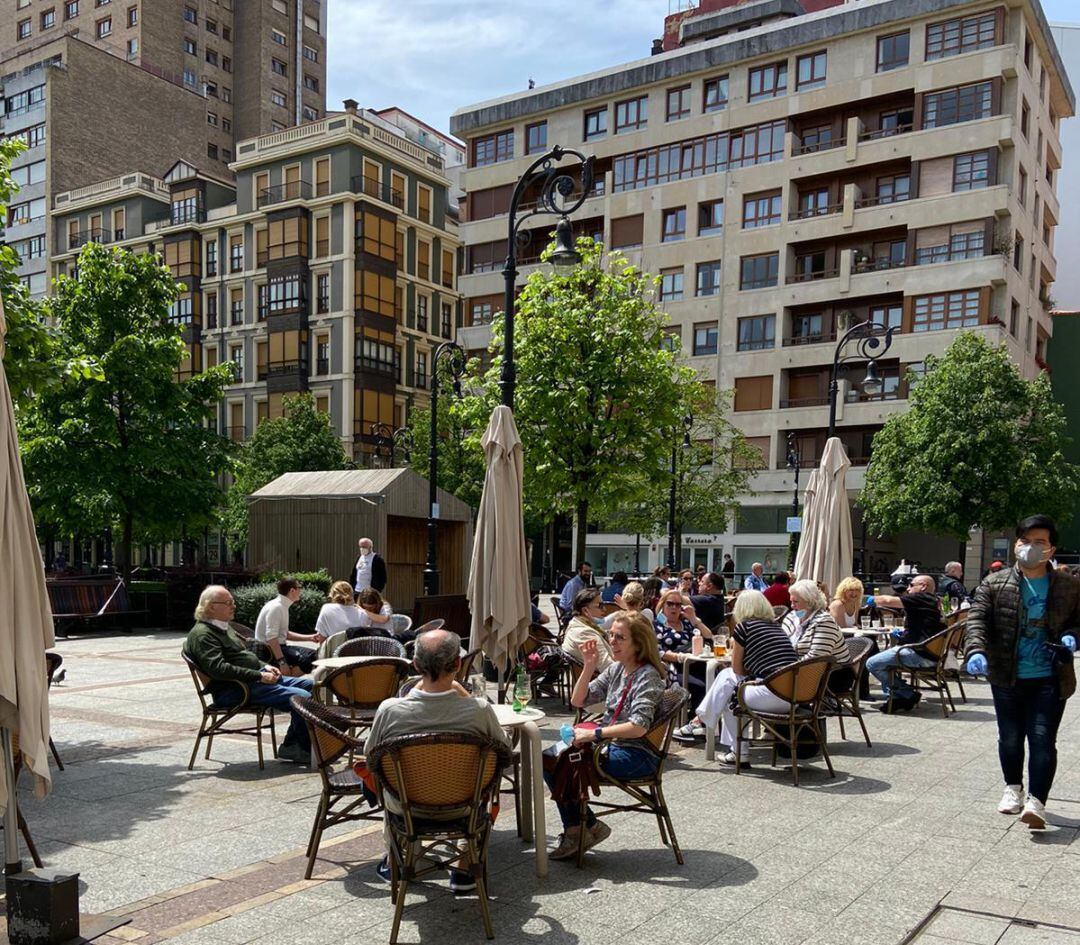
{"x":1067,"y":291}
{"x":787,"y":174}
{"x":327,"y":264}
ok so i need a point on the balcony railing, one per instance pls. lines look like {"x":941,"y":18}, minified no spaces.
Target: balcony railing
{"x":881,"y":200}
{"x":818,"y":338}
{"x":83,"y":237}
{"x":819,"y":401}
{"x":380,"y":190}
{"x":928,"y":255}
{"x":885,"y":132}
{"x":322,"y":367}
{"x":813,"y":275}
{"x":808,"y":213}
{"x":280,"y":368}
{"x":816,"y":146}
{"x":377,"y":366}
{"x":293,"y":190}
{"x":880,"y":264}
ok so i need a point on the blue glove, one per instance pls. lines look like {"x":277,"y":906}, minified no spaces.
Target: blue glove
{"x":870,"y":600}
{"x":976,"y":665}
{"x":1070,"y":641}
{"x":897,"y":633}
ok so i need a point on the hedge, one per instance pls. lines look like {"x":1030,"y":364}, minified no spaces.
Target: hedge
{"x":316,"y":580}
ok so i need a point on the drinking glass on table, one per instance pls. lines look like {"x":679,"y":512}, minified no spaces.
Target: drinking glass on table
{"x":864,"y":622}
{"x":523,"y":691}
{"x":720,"y":645}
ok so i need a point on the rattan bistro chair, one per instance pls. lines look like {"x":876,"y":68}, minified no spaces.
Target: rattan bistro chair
{"x":646,"y":793}
{"x":330,"y":742}
{"x":371,"y":646}
{"x":437,"y":791}
{"x":839,"y":704}
{"x":803,"y":686}
{"x":360,"y":688}
{"x":215,"y":718}
{"x":933,"y":678}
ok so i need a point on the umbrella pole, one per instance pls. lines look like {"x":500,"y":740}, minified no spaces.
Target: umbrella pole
{"x":12,"y":863}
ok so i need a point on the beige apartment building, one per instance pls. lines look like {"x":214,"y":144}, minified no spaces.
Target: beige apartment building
{"x":787,"y":174}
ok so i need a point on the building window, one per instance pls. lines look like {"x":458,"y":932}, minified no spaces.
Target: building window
{"x":446,"y":323}
{"x":23,"y":101}
{"x":236,"y":254}
{"x":191,"y":15}
{"x":1021,"y":187}
{"x":48,"y":19}
{"x":226,"y":94}
{"x":226,"y":124}
{"x":311,"y":114}
{"x":950,"y":106}
{"x":212,"y":57}
{"x":279,"y":37}
{"x":212,"y":151}
{"x":133,"y":16}
{"x":421,"y":370}
{"x":971,"y":171}
{"x":211,"y":89}
{"x":26,"y":212}
{"x":761,"y":210}
{"x":1018,"y":253}
{"x":710,"y":217}
{"x":311,"y":23}
{"x":311,"y":83}
{"x":481,"y":313}
{"x":631,"y":114}
{"x":674,"y":227}
{"x":705,"y":338}
{"x":226,"y":64}
{"x":759,"y":272}
{"x":211,"y":119}
{"x":536,"y":137}
{"x":491,"y":149}
{"x":810,"y":71}
{"x":210,"y":26}
{"x":211,"y":311}
{"x":23,"y":29}
{"x":768,"y":81}
{"x":277,"y":67}
{"x":893,"y":189}
{"x":104,"y":27}
{"x":892,"y":51}
{"x":133,"y":47}
{"x":421,"y":312}
{"x":190,"y":46}
{"x":715,"y":95}
{"x":277,"y":98}
{"x":32,"y":137}
{"x":595,"y":123}
{"x":952,"y":37}
{"x":423,"y":203}
{"x":671,"y":285}
{"x":71,"y":9}
{"x":322,"y":293}
{"x":678,"y":103}
{"x":753,"y":393}
{"x":708,"y":278}
{"x":1014,"y":318}
{"x":29,"y":174}
{"x":960,"y":246}
{"x":945,"y":310}
{"x":757,"y":333}
{"x":311,"y":54}
{"x":211,"y":257}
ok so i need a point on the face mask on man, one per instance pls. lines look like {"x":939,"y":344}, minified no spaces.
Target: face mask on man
{"x":1028,"y":555}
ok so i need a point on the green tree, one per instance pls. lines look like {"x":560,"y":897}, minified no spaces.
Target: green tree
{"x":126,"y":445}
{"x":301,"y":440}
{"x":979,"y":446}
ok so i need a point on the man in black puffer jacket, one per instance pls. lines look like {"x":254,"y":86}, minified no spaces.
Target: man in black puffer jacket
{"x":1021,"y":633}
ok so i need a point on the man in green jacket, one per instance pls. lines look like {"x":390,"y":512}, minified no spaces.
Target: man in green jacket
{"x":216,"y":650}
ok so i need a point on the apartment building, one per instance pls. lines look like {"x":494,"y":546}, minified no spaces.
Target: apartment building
{"x":786,"y":174}
{"x":326,"y":264}
{"x":96,"y":87}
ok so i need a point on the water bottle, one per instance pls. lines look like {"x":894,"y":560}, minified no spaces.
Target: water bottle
{"x":566,"y":733}
{"x":697,"y":644}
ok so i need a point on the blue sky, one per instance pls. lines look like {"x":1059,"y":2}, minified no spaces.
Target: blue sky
{"x":432,"y":56}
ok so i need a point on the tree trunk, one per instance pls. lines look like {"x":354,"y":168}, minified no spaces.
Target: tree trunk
{"x":581,"y":519}
{"x":124,"y":551}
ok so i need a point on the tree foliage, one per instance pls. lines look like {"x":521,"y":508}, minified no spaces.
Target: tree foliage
{"x":301,"y":440}
{"x":127,"y":444}
{"x":979,"y":446}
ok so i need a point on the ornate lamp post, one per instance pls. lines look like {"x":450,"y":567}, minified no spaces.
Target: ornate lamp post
{"x":687,"y":422}
{"x":386,"y":437}
{"x":868,"y":337}
{"x":449,"y":356}
{"x":554,"y":189}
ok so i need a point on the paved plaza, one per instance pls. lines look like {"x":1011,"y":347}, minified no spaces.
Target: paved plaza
{"x":216,"y":855}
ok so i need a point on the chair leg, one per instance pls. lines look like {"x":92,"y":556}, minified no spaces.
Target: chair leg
{"x":665,"y":815}
{"x":793,"y":741}
{"x":56,"y":755}
{"x":865,"y":733}
{"x":581,"y":832}
{"x":402,"y":892}
{"x":825,"y":752}
{"x":258,"y":739}
{"x":316,"y":835}
{"x":195,"y":750}
{"x":948,"y":692}
{"x":273,"y":734}
{"x":960,"y":686}
{"x":28,"y":841}
{"x":840,"y":719}
{"x":481,"y":887}
{"x":654,"y":803}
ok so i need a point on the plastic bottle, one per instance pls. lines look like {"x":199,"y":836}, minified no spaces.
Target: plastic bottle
{"x":566,"y":733}
{"x":697,"y":644}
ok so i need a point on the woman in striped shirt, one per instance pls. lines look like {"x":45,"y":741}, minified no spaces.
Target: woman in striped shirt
{"x":816,"y":633}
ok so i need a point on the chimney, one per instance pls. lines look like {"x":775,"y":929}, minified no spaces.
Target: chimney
{"x":351,"y":105}
{"x":657,"y":47}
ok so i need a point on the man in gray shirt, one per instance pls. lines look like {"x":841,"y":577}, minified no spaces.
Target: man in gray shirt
{"x":437,"y":704}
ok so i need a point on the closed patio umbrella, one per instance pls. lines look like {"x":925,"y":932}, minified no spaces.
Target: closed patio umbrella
{"x":498,"y":588}
{"x":825,"y":552}
{"x":26,"y":629}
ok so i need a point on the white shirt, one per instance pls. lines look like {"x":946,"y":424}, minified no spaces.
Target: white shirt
{"x":363,"y":572}
{"x":365,"y":617}
{"x":273,"y":622}
{"x":333,"y":618}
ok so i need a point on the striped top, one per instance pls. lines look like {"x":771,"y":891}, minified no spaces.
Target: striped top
{"x":822,"y":637}
{"x":765,"y":647}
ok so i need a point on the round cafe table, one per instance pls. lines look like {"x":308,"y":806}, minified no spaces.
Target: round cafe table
{"x":534,"y":821}
{"x":712,"y":664}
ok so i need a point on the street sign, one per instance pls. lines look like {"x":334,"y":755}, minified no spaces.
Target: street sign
{"x":794,"y":524}
{"x":434,"y":509}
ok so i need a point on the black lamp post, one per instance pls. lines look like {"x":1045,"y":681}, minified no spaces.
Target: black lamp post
{"x":687,"y":422}
{"x":450,"y":355}
{"x":555,"y":194}
{"x":794,"y":463}
{"x":386,"y":437}
{"x":868,"y":337}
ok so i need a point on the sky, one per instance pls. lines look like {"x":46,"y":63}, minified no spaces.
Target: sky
{"x":430,"y":57}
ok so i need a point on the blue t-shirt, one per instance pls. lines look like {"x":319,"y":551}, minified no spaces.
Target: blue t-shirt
{"x":1034,"y":659}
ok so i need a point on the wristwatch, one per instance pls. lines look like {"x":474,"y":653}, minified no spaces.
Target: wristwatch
{"x":598,"y":733}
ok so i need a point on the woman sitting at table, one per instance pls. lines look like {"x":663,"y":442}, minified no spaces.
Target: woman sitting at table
{"x":585,"y":627}
{"x":758,"y":647}
{"x":815,"y":632}
{"x":844,"y":609}
{"x":340,"y":613}
{"x":674,"y":624}
{"x":631,"y":600}
{"x":630,"y":689}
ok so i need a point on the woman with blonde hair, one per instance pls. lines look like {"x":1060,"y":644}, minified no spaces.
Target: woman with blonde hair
{"x":340,"y":613}
{"x":631,"y":600}
{"x":844,"y":609}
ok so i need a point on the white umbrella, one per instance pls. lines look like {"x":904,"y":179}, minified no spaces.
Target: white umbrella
{"x":26,"y":629}
{"x":825,"y":552}
{"x":498,"y":588}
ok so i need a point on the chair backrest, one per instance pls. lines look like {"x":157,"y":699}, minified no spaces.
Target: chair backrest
{"x":370,"y":646}
{"x":467,"y":662}
{"x":366,"y":685}
{"x":667,"y":714}
{"x":243,"y":631}
{"x":858,"y":648}
{"x":200,"y":680}
{"x":937,"y":645}
{"x":437,"y":624}
{"x":330,"y":738}
{"x":400,"y":623}
{"x":562,"y":616}
{"x":801,"y":682}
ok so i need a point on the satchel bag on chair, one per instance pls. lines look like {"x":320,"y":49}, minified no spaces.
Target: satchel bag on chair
{"x":574,"y":773}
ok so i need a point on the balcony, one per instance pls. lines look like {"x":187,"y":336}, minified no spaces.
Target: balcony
{"x":97,"y":235}
{"x":810,"y":213}
{"x":322,"y":367}
{"x":378,"y":190}
{"x":888,"y":132}
{"x":816,"y":338}
{"x":369,"y":365}
{"x":185,"y":213}
{"x":236,"y":434}
{"x":287,"y":376}
{"x":812,"y":275}
{"x":821,"y":400}
{"x":293,"y":190}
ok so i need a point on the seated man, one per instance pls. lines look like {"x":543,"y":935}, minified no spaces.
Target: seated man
{"x":437,"y":704}
{"x":220,"y":654}
{"x":709,"y":601}
{"x":922,"y":619}
{"x":272,"y":630}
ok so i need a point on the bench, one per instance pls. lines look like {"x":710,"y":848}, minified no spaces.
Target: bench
{"x":82,"y":602}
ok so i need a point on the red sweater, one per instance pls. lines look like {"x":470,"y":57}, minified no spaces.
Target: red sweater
{"x":777,"y":595}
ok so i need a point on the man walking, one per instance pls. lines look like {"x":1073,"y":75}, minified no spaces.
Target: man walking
{"x":952,"y":584}
{"x":1021,"y":633}
{"x":578,"y":582}
{"x":728,"y":568}
{"x":369,"y":570}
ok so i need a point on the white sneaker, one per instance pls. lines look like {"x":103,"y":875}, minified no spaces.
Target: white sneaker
{"x":1034,"y":814}
{"x":1012,"y":800}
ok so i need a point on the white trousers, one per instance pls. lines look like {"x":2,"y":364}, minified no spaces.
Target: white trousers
{"x":716,"y":706}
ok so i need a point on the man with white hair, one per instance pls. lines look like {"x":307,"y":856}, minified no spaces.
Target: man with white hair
{"x":754,"y":580}
{"x":219,"y":653}
{"x":369,"y":570}
{"x":952,"y":584}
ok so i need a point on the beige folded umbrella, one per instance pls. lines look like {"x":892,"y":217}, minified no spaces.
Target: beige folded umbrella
{"x":825,"y":551}
{"x":26,"y":629}
{"x":498,"y":588}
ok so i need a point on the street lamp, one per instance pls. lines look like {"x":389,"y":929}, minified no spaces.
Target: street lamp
{"x":386,"y":437}
{"x":868,"y":337}
{"x":555,"y":189}
{"x":794,"y":463}
{"x":687,"y":422}
{"x":450,"y":355}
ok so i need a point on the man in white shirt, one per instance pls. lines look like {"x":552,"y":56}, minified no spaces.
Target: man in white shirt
{"x":272,"y":630}
{"x":369,"y":570}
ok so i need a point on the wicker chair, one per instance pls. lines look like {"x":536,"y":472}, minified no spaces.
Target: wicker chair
{"x":371,"y":646}
{"x":215,"y":717}
{"x":53,"y":661}
{"x":934,"y":678}
{"x":467,"y":663}
{"x":958,"y":624}
{"x":437,"y":624}
{"x":803,"y":686}
{"x":562,"y":617}
{"x":23,"y":829}
{"x":399,"y":624}
{"x":330,"y":742}
{"x":646,"y":793}
{"x":360,"y":688}
{"x":437,"y":790}
{"x":839,"y":704}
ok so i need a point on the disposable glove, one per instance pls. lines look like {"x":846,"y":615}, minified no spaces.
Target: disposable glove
{"x":897,"y":633}
{"x":1070,"y":641}
{"x":976,"y":665}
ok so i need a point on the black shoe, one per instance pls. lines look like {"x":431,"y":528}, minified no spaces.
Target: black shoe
{"x":462,"y":882}
{"x":383,"y":869}
{"x":294,"y":753}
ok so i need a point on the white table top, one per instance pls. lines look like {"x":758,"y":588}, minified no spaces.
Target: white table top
{"x":333,"y":662}
{"x":508,"y":718}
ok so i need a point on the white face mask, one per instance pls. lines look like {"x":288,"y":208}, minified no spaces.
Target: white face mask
{"x":1028,"y":555}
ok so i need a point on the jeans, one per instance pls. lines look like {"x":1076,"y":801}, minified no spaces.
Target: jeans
{"x":620,"y":762}
{"x":275,"y":695}
{"x":1029,"y":709}
{"x":879,"y":666}
{"x":301,"y":656}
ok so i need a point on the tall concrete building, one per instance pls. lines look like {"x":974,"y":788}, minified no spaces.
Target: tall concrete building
{"x":789,"y":168}
{"x":1067,"y":290}
{"x":95,"y":88}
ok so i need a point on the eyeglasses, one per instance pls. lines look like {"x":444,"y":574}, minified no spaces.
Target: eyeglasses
{"x":673,"y":603}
